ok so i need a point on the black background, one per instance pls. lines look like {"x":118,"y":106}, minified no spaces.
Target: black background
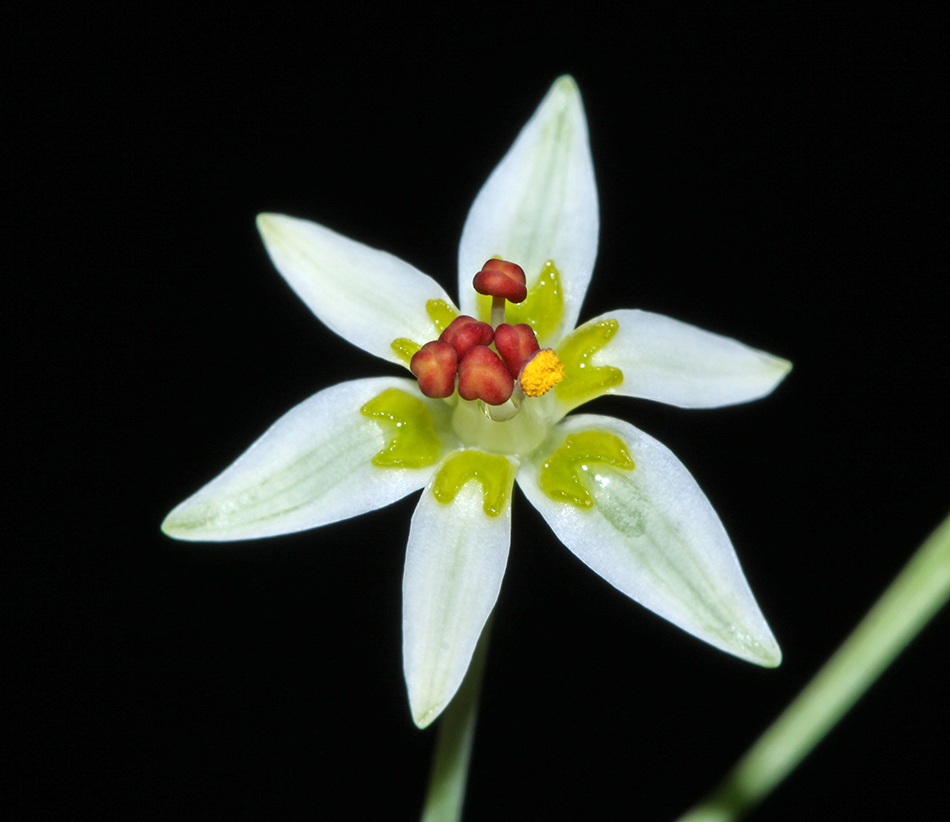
{"x":766,"y":171}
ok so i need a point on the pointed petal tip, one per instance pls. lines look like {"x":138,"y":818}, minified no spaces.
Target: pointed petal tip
{"x":178,"y":525}
{"x":771,"y":657}
{"x":426,"y":717}
{"x":566,"y":84}
{"x":168,"y":527}
{"x":190,"y":526}
{"x":759,"y":650}
{"x":268,"y":223}
{"x":780,"y":370}
{"x":565,"y":96}
{"x":750,"y":639}
{"x":174,"y":525}
{"x":274,"y":227}
{"x":783,"y":367}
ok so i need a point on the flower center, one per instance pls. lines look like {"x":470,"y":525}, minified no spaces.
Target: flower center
{"x":497,"y":365}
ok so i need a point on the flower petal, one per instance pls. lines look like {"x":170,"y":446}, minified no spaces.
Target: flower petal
{"x":455,"y":562}
{"x":367,"y":296}
{"x":539,"y":204}
{"x":312,"y":467}
{"x":652,"y":533}
{"x":680,"y":364}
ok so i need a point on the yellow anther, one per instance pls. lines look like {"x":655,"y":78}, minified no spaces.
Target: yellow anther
{"x":541,"y":373}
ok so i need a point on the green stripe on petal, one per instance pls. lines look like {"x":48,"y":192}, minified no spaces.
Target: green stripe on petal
{"x":368,"y":297}
{"x":455,"y":561}
{"x":312,"y":467}
{"x":539,"y":204}
{"x":652,"y":534}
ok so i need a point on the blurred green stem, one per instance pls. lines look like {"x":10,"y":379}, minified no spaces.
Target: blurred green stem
{"x":453,"y":748}
{"x":919,"y":591}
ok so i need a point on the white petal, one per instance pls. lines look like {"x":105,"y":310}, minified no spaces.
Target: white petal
{"x":677,"y":363}
{"x":455,"y":562}
{"x":539,"y":204}
{"x":366,"y":296}
{"x":312,"y":467}
{"x":653,"y":534}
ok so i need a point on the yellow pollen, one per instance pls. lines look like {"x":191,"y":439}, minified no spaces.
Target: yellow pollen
{"x":541,"y":373}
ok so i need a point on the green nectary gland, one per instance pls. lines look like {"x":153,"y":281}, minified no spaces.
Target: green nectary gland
{"x":584,"y":381}
{"x":492,"y":471}
{"x":441,"y":313}
{"x":404,"y":348}
{"x":565,"y":475}
{"x":414,"y":443}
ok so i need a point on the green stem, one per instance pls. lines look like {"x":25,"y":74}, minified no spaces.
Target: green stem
{"x":453,"y":748}
{"x":919,"y":591}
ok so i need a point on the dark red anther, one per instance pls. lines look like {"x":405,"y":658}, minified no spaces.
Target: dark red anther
{"x":435,"y":366}
{"x":515,"y":343}
{"x":465,"y":332}
{"x":499,"y":278}
{"x":483,"y":376}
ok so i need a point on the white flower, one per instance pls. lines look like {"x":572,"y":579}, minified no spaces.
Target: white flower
{"x":613,"y":495}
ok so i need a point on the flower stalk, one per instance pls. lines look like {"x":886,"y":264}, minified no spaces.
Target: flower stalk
{"x":445,"y":795}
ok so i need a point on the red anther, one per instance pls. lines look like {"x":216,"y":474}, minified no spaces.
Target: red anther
{"x":483,"y":376}
{"x":435,"y":366}
{"x":465,"y":332}
{"x":515,"y":343}
{"x":499,"y":278}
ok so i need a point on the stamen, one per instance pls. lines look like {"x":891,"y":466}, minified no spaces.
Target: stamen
{"x":515,"y":343}
{"x":541,"y":373}
{"x":435,"y":366}
{"x":499,"y":278}
{"x":483,"y":376}
{"x":465,"y":332}
{"x":497,"y":311}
